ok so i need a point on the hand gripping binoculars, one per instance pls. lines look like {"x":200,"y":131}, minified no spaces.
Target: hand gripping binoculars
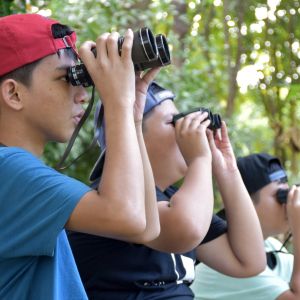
{"x":148,"y":51}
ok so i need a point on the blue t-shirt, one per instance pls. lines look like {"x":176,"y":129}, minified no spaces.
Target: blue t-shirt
{"x":36,"y":261}
{"x":112,"y":269}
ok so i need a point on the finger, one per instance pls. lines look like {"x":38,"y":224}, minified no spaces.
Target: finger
{"x":101,"y":46}
{"x":294,"y":194}
{"x":201,"y":119}
{"x":211,"y":141}
{"x":194,"y":124}
{"x":224,"y":132}
{"x":197,"y":123}
{"x":85,"y":52}
{"x":149,"y":76}
{"x":217,"y":135}
{"x":138,"y":74}
{"x":205,"y":123}
{"x":127,"y":45}
{"x":189,"y":119}
{"x":112,"y":45}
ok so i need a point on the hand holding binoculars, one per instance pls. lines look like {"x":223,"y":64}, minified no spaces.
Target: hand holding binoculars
{"x":215,"y":119}
{"x":148,"y":51}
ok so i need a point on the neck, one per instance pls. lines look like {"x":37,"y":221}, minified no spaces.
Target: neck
{"x":22,"y":143}
{"x":16,"y":135}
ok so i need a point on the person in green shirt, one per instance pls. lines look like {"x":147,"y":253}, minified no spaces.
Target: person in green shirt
{"x":278,"y":209}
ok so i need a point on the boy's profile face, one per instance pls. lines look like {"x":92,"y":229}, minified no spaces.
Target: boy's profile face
{"x":52,"y":106}
{"x":159,"y":135}
{"x":271,"y":213}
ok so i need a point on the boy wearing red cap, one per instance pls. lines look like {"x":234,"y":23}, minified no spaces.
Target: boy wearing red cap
{"x":37,"y":105}
{"x":278,"y":212}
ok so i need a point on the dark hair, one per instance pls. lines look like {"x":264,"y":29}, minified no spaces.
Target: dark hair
{"x":60,"y":30}
{"x":24,"y":73}
{"x":255,"y":197}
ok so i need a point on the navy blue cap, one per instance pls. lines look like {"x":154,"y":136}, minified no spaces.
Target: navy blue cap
{"x":156,"y":94}
{"x":260,"y":169}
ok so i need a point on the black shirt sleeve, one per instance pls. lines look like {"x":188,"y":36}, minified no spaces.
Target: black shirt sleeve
{"x":217,"y":227}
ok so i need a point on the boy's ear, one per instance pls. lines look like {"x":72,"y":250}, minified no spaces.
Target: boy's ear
{"x":11,"y":90}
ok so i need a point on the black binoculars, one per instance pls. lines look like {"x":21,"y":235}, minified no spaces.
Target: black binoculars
{"x":148,"y":51}
{"x":282,"y":195}
{"x":215,"y":119}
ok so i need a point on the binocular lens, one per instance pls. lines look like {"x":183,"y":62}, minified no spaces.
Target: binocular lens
{"x":163,"y":58}
{"x":144,"y":46}
{"x":282,"y":195}
{"x":163,"y":50}
{"x":147,"y":41}
{"x":78,"y":75}
{"x":216,"y":121}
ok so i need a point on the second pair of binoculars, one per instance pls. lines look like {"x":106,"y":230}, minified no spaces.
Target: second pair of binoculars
{"x":148,"y":51}
{"x":282,"y":195}
{"x":215,"y":119}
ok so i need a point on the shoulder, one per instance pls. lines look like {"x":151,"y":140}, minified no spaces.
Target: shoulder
{"x":31,"y":175}
{"x":14,"y":158}
{"x":273,"y":244}
{"x":15,"y":152}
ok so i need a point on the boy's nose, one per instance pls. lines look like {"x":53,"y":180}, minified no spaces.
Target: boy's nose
{"x":81,"y":95}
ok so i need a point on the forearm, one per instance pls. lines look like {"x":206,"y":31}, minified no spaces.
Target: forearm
{"x":295,"y":280}
{"x":243,"y":223}
{"x":152,"y":217}
{"x":192,"y":205}
{"x":123,"y":180}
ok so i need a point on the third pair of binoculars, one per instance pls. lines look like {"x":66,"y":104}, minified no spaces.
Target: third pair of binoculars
{"x":148,"y":51}
{"x":282,"y":195}
{"x":215,"y":119}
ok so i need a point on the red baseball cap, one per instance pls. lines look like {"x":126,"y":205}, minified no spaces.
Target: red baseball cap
{"x":25,"y":38}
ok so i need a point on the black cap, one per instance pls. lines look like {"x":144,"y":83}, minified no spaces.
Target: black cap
{"x":156,"y":94}
{"x":260,"y":169}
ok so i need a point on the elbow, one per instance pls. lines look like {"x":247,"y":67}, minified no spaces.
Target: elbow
{"x":190,"y":235}
{"x":136,"y":223}
{"x":148,"y":235}
{"x":257,"y":267}
{"x":129,"y":227}
{"x":258,"y":263}
{"x":152,"y":234}
{"x":131,"y":221}
{"x":253,"y":268}
{"x":196,"y":232}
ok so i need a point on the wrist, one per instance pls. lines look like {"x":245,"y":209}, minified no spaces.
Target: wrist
{"x":200,"y":160}
{"x":138,"y":123}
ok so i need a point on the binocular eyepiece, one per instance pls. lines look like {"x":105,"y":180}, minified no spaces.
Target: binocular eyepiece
{"x":282,"y":195}
{"x":148,"y":51}
{"x":215,"y":119}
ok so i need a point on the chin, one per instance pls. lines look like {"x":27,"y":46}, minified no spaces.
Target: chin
{"x":64,"y":138}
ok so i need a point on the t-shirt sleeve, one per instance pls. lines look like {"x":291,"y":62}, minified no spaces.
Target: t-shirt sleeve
{"x":217,"y":227}
{"x":210,"y":284}
{"x":35,"y":204}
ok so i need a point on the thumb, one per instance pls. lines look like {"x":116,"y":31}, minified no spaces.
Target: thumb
{"x":211,"y":141}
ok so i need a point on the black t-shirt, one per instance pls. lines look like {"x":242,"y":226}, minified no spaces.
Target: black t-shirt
{"x":109,"y":266}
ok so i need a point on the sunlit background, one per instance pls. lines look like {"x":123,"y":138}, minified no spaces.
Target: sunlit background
{"x":238,"y":58}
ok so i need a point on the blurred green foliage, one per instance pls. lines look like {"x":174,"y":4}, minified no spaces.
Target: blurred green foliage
{"x":238,"y":58}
